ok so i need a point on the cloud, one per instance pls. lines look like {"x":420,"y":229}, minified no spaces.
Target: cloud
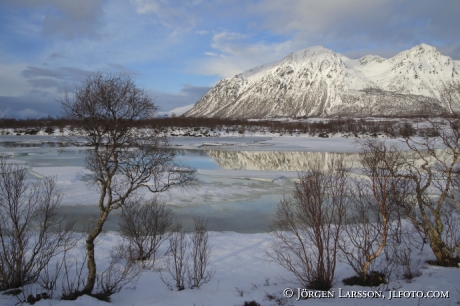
{"x":178,"y":17}
{"x":11,"y":82}
{"x":146,"y":6}
{"x":350,"y":25}
{"x":55,"y":56}
{"x":48,"y":46}
{"x":236,"y":52}
{"x":38,"y":101}
{"x":44,"y":87}
{"x":188,"y":95}
{"x":66,"y":19}
{"x":354,"y":28}
{"x":201,"y":32}
{"x":61,"y":79}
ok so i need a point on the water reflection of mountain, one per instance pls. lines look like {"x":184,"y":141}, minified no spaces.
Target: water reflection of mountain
{"x":275,"y":161}
{"x":298,"y":161}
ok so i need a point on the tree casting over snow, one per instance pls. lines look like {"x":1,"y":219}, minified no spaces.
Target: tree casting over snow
{"x":122,"y":160}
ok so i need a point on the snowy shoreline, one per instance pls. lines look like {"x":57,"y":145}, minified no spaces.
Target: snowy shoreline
{"x":243,"y":273}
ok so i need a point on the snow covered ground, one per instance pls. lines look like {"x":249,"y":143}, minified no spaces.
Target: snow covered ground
{"x":244,"y":273}
{"x":235,"y":181}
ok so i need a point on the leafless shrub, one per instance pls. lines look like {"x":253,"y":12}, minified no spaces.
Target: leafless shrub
{"x":31,"y":294}
{"x":200,"y":253}
{"x":31,"y":230}
{"x":197,"y":248}
{"x":49,"y":280}
{"x":279,"y":300}
{"x":73,"y":279}
{"x":408,"y":266}
{"x":307,"y":227}
{"x":145,"y":225}
{"x":118,"y":274}
{"x":375,"y":201}
{"x":450,"y":217}
{"x":53,"y":278}
{"x":177,"y":258}
{"x":362,"y":242}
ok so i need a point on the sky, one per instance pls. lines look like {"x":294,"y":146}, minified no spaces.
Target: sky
{"x":177,"y":50}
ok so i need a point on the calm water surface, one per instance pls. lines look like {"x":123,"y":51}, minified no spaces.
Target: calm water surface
{"x":246,"y":216}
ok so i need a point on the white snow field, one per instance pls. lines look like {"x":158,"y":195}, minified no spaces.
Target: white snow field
{"x":241,"y":180}
{"x":243,"y":273}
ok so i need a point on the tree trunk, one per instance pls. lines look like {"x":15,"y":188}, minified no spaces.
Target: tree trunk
{"x":91,"y":280}
{"x":440,"y":252}
{"x":91,"y":264}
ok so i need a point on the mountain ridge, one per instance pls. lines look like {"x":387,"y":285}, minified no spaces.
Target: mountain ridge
{"x":319,"y":82}
{"x":26,"y":113}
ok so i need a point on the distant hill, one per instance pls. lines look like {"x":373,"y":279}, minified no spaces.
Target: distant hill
{"x":319,"y":82}
{"x":177,"y":111}
{"x":23,"y":114}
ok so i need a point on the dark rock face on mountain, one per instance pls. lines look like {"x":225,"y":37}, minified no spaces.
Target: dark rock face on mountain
{"x":318,"y":82}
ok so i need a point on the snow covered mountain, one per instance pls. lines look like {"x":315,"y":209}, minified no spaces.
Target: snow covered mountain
{"x":318,"y":82}
{"x":23,"y":114}
{"x":177,"y":111}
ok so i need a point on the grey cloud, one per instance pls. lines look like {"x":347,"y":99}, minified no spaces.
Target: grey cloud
{"x":117,"y":68}
{"x":188,"y":95}
{"x":55,"y":56}
{"x":32,"y":72}
{"x":49,"y":84}
{"x":67,"y":19}
{"x":65,"y":78}
{"x":39,"y":101}
{"x":44,"y":83}
{"x":61,"y":79}
{"x":379,"y":25}
{"x":195,"y":91}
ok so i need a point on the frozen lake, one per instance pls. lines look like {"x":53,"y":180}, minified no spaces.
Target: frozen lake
{"x":240,"y":179}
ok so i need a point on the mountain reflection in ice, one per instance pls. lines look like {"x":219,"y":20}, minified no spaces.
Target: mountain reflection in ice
{"x":298,"y":161}
{"x":276,"y":161}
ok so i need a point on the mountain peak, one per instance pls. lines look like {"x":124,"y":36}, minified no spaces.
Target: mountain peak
{"x":423,"y":49}
{"x":314,"y":51}
{"x":319,"y":82}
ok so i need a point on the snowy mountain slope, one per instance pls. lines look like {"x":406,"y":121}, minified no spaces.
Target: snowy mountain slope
{"x":318,"y":82}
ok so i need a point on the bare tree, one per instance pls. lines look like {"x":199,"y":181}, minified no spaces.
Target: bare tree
{"x":145,"y":225}
{"x":31,"y":230}
{"x":376,"y":199}
{"x":200,"y":251}
{"x":122,"y":160}
{"x":307,"y":227}
{"x":433,"y":171}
